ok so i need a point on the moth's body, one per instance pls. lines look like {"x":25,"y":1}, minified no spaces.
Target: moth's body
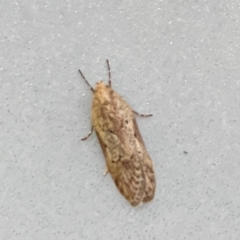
{"x":126,"y":156}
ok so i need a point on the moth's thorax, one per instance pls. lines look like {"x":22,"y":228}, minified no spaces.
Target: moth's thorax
{"x":102,"y":93}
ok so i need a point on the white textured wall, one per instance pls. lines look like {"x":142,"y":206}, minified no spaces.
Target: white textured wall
{"x":179,"y":61}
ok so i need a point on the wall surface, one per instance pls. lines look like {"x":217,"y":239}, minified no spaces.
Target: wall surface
{"x":179,"y":60}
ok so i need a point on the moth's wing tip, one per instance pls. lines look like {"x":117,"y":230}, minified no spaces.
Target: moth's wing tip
{"x":137,"y":204}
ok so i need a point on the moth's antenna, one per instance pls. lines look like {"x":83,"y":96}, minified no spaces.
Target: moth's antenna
{"x":109,"y":74}
{"x":86,"y":81}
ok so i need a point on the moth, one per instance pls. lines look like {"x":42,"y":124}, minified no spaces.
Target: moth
{"x":125,"y":153}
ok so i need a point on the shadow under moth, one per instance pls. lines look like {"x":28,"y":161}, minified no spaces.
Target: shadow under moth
{"x":126,"y":156}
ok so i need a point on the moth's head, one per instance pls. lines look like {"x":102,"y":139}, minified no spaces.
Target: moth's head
{"x":101,"y":86}
{"x":102,"y":92}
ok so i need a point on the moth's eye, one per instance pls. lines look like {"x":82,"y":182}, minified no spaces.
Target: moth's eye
{"x":126,"y":121}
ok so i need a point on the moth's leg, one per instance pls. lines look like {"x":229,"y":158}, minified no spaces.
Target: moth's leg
{"x":106,"y":171}
{"x":109,"y":74}
{"x":85,"y":138}
{"x":142,"y":115}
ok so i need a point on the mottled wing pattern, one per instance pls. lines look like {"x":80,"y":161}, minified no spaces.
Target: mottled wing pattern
{"x":127,"y":172}
{"x":147,"y":168}
{"x":126,"y":157}
{"x":130,"y":180}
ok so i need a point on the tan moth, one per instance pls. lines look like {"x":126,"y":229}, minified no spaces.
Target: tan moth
{"x":126,"y":156}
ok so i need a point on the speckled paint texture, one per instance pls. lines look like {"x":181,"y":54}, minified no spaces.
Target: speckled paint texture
{"x":179,"y":60}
